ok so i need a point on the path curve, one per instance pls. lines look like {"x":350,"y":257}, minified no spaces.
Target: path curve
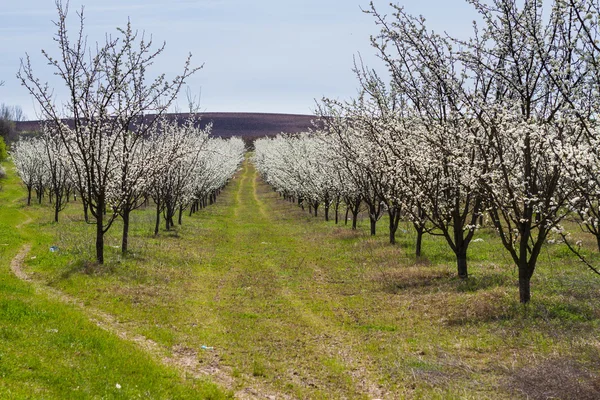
{"x":180,"y":357}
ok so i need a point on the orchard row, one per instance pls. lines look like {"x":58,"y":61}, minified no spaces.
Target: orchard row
{"x":174,"y":167}
{"x":502,"y":125}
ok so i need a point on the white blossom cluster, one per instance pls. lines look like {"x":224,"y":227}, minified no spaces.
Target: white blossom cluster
{"x":301,"y":167}
{"x":28,"y":156}
{"x":202,"y":169}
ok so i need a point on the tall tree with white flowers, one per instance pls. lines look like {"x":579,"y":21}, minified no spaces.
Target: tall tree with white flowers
{"x":112,"y":105}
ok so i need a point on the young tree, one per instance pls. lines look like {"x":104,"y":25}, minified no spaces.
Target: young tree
{"x":580,"y":36}
{"x":111,"y":105}
{"x":172,"y":186}
{"x":527,"y":128}
{"x":436,"y":160}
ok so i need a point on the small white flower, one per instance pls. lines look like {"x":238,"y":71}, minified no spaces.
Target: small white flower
{"x":118,"y":386}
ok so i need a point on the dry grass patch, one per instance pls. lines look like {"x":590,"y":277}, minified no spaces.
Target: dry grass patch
{"x":481,"y":307}
{"x":557,"y":378}
{"x":395,"y":280}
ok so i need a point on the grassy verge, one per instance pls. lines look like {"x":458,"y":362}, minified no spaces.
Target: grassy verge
{"x":300,"y":307}
{"x":51,"y":350}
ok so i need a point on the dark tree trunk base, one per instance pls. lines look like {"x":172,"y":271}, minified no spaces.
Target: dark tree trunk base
{"x":462,"y":266}
{"x":524,"y":290}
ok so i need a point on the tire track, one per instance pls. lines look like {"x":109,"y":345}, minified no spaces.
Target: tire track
{"x":180,"y":357}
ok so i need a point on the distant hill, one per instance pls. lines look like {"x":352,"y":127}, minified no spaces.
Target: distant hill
{"x":249,"y":126}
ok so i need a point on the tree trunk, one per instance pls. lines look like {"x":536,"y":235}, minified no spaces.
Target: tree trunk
{"x":157,"y":222}
{"x":524,"y":288}
{"x":29,"y":195}
{"x":373,"y":219}
{"x":57,"y":207}
{"x":180,"y":214}
{"x":85,"y":210}
{"x":418,"y":246}
{"x":598,"y":241}
{"x":461,"y":259}
{"x":394,"y":221}
{"x":99,"y":236}
{"x":125,"y":238}
{"x":346,"y":216}
{"x":327,"y":211}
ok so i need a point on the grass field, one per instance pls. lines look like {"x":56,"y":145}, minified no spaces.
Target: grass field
{"x":254,"y":298}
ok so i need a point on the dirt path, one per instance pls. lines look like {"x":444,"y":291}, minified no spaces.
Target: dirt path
{"x":183,"y":358}
{"x":16,"y":265}
{"x":252,"y":213}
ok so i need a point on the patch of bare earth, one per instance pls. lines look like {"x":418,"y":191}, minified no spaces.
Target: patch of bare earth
{"x":17,"y":263}
{"x":181,"y":357}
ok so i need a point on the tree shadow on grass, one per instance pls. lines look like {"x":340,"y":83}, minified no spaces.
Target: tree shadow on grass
{"x":85,"y":267}
{"x":558,"y":378}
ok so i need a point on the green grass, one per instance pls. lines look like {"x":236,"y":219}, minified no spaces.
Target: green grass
{"x":295,"y":305}
{"x":49,"y":350}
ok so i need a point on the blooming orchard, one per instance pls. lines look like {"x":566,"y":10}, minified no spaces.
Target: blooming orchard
{"x":499,"y":127}
{"x":178,"y":166}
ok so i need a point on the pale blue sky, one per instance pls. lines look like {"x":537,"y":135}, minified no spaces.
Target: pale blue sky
{"x":259,"y":56}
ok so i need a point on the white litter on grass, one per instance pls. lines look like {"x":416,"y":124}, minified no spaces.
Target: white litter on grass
{"x":118,"y":386}
{"x":478,"y":240}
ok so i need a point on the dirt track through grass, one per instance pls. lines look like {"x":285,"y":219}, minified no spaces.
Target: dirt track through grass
{"x":270,"y":252}
{"x":262,"y":295}
{"x":183,"y":359}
